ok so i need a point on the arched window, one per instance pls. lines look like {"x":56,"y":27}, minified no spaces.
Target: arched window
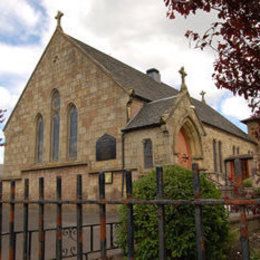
{"x":39,"y":139}
{"x":55,"y":125}
{"x":148,"y":153}
{"x":72,"y":131}
{"x":214,"y":146}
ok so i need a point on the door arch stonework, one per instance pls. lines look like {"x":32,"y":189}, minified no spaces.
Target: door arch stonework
{"x":187,"y":143}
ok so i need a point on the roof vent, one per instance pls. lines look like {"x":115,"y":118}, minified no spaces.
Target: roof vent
{"x":154,"y":74}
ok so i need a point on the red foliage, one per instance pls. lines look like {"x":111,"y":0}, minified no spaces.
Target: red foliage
{"x":237,"y":37}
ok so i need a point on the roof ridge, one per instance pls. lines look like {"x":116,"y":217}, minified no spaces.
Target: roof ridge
{"x":233,"y":125}
{"x":161,"y":99}
{"x":117,"y":60}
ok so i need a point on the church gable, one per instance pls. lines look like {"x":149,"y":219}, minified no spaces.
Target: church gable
{"x":81,"y":83}
{"x":183,"y":124}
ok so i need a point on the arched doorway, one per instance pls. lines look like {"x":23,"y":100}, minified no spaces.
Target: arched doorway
{"x":183,"y":149}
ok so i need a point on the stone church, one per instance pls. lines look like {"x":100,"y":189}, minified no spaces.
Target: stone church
{"x":82,"y":111}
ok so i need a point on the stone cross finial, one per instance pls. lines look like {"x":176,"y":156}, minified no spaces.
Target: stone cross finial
{"x":203,"y":93}
{"x":183,"y":75}
{"x":58,"y":18}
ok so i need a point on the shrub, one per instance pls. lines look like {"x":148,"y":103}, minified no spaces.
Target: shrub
{"x":180,"y":241}
{"x":248,"y":183}
{"x":257,"y":192}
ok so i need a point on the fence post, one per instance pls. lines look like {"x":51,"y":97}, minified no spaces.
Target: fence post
{"x":41,"y":220}
{"x":25,"y":219}
{"x":130,"y":216}
{"x":238,"y":177}
{"x":159,"y":182}
{"x":244,"y":234}
{"x":102,"y":216}
{"x":79,"y":218}
{"x":11,"y":223}
{"x":1,"y":217}
{"x":59,"y":219}
{"x":198,"y":213}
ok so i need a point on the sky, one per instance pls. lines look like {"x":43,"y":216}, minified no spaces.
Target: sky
{"x":133,"y":31}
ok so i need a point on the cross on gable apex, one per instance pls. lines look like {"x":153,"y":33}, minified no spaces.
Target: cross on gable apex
{"x":58,"y":18}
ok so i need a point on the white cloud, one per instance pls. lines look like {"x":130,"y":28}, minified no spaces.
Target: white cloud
{"x":8,"y":99}
{"x":17,"y":11}
{"x":236,"y":107}
{"x":18,"y":60}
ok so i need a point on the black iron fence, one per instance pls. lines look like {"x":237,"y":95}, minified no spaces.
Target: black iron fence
{"x":105,"y":229}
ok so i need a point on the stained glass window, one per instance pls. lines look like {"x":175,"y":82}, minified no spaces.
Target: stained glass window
{"x":39,"y":139}
{"x":73,"y":131}
{"x":55,"y":133}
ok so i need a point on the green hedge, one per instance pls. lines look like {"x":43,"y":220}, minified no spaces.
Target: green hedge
{"x":179,"y":221}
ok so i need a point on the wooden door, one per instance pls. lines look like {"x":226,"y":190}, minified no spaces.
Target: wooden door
{"x":183,"y":150}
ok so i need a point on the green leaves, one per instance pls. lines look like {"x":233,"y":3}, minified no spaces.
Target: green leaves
{"x":179,"y":221}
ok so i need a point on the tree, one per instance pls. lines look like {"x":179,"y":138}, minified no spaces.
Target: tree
{"x":180,"y":238}
{"x":235,"y":36}
{"x":1,"y":121}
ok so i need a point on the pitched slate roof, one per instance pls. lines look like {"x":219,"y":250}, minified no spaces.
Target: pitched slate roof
{"x":211,"y":117}
{"x":150,"y":114}
{"x":128,"y":77}
{"x":151,"y":90}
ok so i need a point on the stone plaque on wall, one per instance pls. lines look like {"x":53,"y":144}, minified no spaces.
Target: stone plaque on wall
{"x":106,"y":148}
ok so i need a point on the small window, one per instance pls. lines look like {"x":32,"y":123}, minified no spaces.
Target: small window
{"x":72,"y":131}
{"x":148,"y":153}
{"x":238,"y":150}
{"x":234,"y":150}
{"x":106,"y":148}
{"x":39,"y":139}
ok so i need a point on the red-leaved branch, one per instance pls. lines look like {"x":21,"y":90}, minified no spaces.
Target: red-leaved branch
{"x":235,"y":36}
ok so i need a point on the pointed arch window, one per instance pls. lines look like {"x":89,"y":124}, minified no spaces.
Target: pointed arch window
{"x":55,"y":125}
{"x":148,"y":153}
{"x":72,"y":131}
{"x":39,"y":139}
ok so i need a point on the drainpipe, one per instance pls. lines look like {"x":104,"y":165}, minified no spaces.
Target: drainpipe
{"x":123,"y":162}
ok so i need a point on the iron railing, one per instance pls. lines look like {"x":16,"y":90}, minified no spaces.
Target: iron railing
{"x":106,"y":234}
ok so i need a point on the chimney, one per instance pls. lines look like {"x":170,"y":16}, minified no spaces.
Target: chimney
{"x":154,"y":74}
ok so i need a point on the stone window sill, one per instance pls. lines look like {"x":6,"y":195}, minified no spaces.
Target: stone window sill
{"x":52,"y":166}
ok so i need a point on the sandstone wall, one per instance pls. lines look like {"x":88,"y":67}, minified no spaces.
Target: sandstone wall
{"x":134,"y":148}
{"x":134,"y":106}
{"x":69,"y":180}
{"x":101,"y":108}
{"x":228,"y":141}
